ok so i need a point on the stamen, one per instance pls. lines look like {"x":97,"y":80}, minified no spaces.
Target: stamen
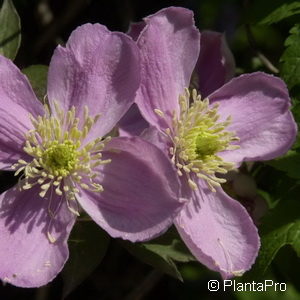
{"x":61,"y":161}
{"x":159,"y":112}
{"x":198,"y":136}
{"x":192,"y":184}
{"x":51,"y":238}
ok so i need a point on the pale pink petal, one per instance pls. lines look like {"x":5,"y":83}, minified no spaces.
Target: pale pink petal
{"x":17,"y":100}
{"x":157,"y":138}
{"x":219,"y":232}
{"x":141,"y":191}
{"x":27,"y":257}
{"x":259,"y":106}
{"x":99,"y":69}
{"x":169,"y":47}
{"x":135,"y":29}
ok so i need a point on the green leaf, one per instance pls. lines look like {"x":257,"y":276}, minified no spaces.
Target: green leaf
{"x":87,"y":245}
{"x":297,"y":142}
{"x":289,"y":163}
{"x":258,"y":12}
{"x":280,"y":227}
{"x":296,"y":109}
{"x":37,"y":75}
{"x":162,"y":253}
{"x":296,"y":113}
{"x":10,"y":30}
{"x":281,"y":13}
{"x":290,"y":59}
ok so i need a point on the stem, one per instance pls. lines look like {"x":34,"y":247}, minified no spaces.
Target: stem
{"x":260,"y":55}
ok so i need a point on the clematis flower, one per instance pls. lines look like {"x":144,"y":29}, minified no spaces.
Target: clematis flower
{"x":66,"y":161}
{"x":247,"y":118}
{"x":215,"y":66}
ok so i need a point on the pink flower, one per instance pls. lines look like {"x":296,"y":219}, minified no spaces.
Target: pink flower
{"x":215,"y":66}
{"x":126,"y":185}
{"x":247,"y":118}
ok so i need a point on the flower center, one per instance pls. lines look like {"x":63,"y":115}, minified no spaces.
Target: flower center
{"x":198,"y":136}
{"x":61,"y":159}
{"x":206,"y":144}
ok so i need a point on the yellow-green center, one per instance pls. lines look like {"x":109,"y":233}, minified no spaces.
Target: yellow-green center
{"x":62,"y":161}
{"x":206,"y":144}
{"x":198,"y":136}
{"x":60,"y":158}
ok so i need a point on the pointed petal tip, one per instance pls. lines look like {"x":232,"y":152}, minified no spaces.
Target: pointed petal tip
{"x":169,"y":46}
{"x":219,"y":232}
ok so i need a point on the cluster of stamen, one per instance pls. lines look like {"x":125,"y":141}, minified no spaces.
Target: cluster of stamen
{"x":198,"y":136}
{"x":61,"y":161}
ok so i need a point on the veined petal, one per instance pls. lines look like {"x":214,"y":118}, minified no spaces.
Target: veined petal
{"x":215,"y":65}
{"x":259,"y":106}
{"x":141,"y":191}
{"x":27,"y":257}
{"x":169,"y":47}
{"x":219,"y":232}
{"x":97,"y":68}
{"x":17,"y":101}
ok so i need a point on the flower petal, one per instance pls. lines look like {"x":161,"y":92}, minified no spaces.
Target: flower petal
{"x":135,"y":29}
{"x":141,"y":191}
{"x":215,"y":64}
{"x":259,"y":106}
{"x":17,"y":101}
{"x":169,"y":47}
{"x":157,"y":138}
{"x":27,"y":257}
{"x":219,"y":232}
{"x":132,"y":122}
{"x":97,"y":68}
